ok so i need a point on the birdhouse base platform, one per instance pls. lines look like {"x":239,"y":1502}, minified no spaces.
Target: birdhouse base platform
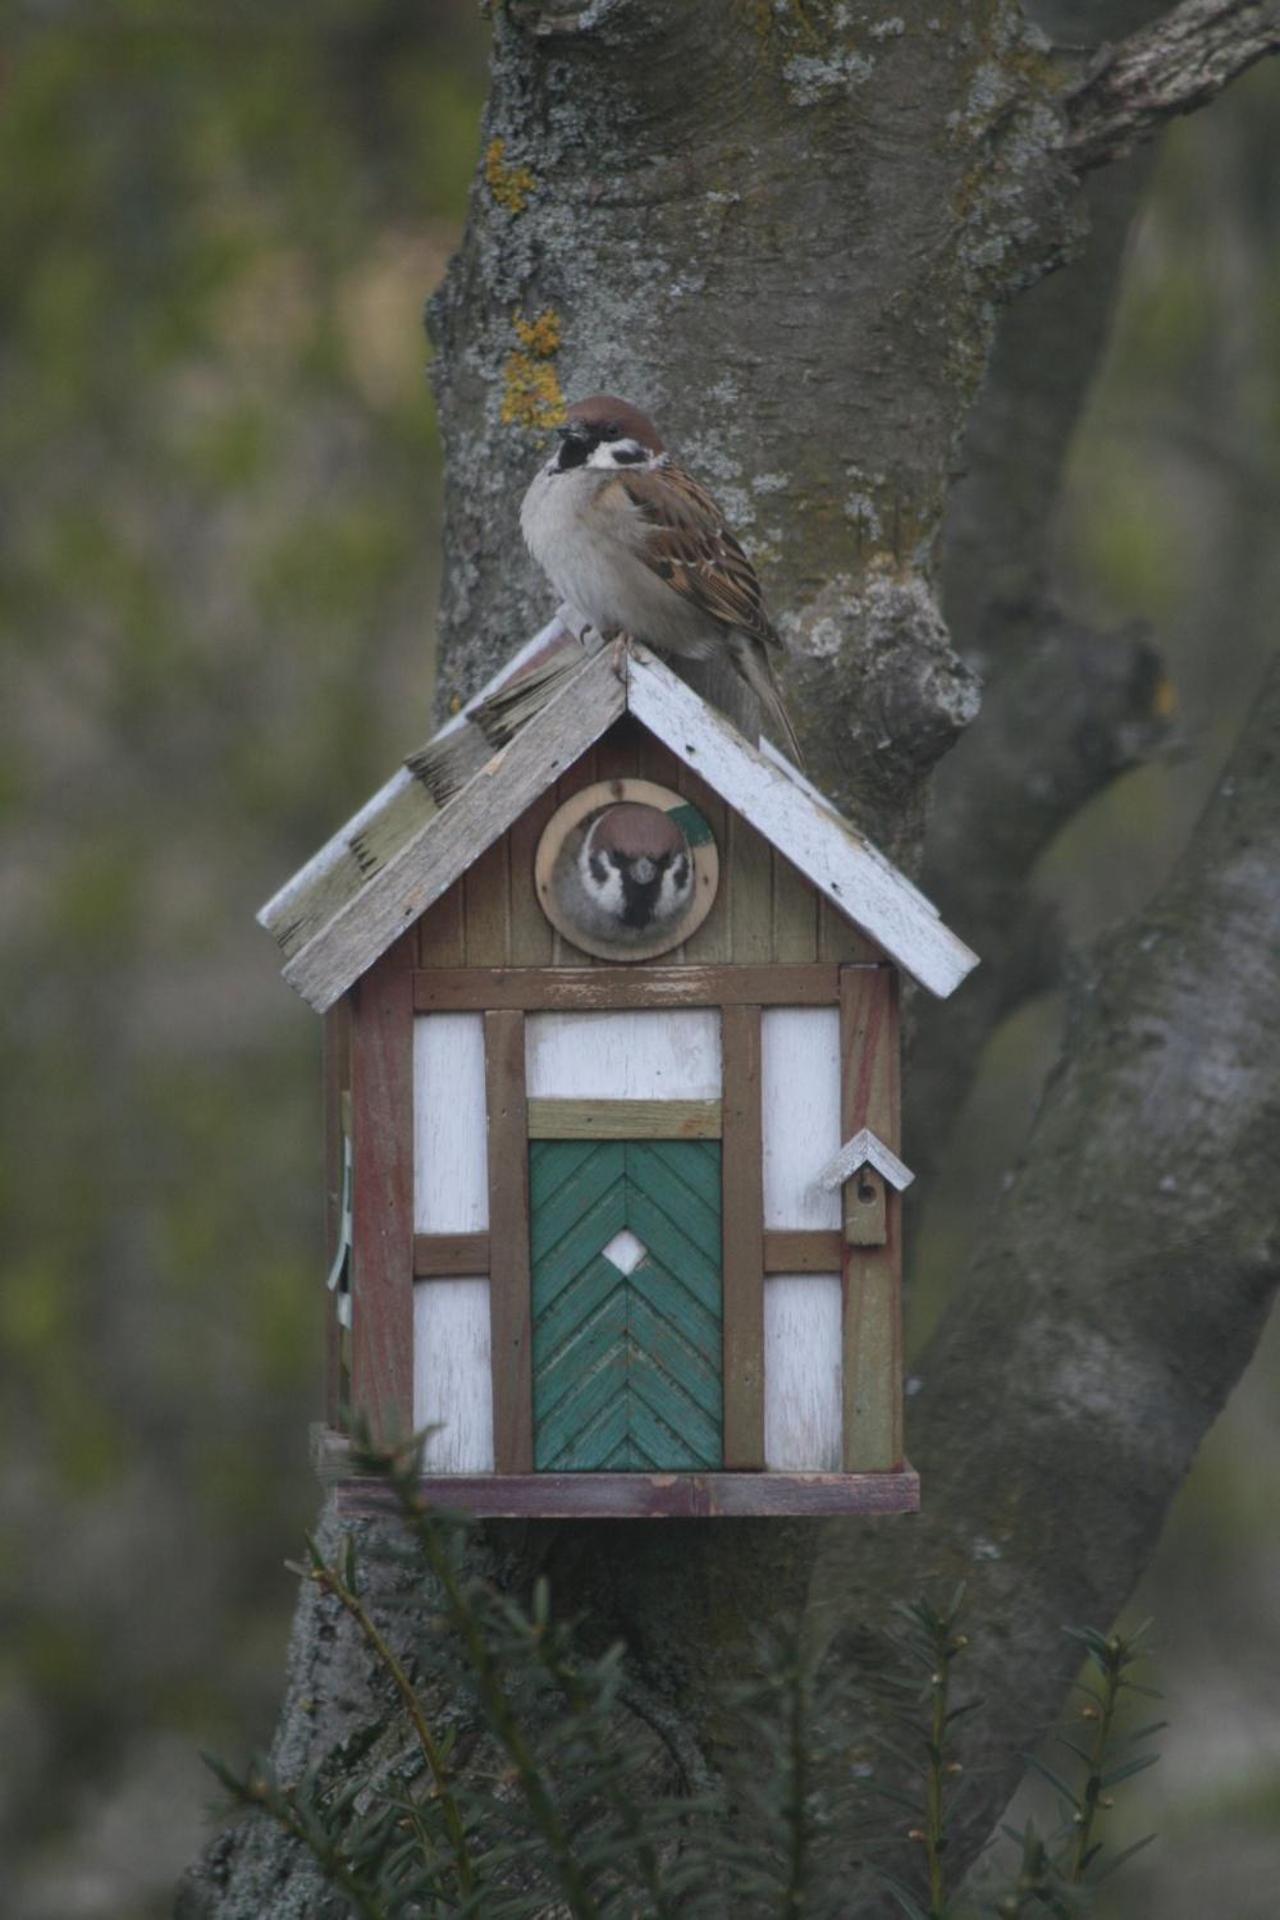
{"x":626,"y":1496}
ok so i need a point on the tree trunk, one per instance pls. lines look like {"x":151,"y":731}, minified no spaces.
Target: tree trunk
{"x":786,"y":235}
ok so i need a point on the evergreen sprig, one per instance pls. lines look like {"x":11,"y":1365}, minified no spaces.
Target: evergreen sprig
{"x":1055,"y":1874}
{"x":1111,"y":1755}
{"x":545,"y":1805}
{"x":544,"y":1811}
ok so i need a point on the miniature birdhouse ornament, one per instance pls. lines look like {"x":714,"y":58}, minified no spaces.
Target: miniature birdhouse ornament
{"x":611,"y":1011}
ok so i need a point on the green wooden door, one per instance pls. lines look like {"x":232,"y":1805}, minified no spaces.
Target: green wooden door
{"x":627,"y":1304}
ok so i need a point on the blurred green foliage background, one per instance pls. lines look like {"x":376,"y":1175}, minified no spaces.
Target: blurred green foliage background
{"x":219,"y":481}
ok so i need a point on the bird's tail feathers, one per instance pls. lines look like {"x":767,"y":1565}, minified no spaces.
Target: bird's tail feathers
{"x":757,"y":670}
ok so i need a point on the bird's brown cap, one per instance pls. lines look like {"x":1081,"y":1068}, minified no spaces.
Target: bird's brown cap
{"x":606,"y":410}
{"x":636,"y":830}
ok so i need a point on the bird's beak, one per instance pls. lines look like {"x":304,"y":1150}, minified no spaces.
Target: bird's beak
{"x":571,"y":430}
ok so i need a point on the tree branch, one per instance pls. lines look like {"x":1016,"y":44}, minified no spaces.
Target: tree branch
{"x":1167,"y":69}
{"x":1065,"y":709}
{"x":1074,"y":710}
{"x":1116,"y":1296}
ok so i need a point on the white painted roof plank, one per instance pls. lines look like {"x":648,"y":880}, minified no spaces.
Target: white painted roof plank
{"x":453,"y":839}
{"x":860,"y":883}
{"x":341,"y":918}
{"x":866,"y":1149}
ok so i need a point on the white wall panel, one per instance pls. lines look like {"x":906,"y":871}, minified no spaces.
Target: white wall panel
{"x":801,"y":1075}
{"x":802,"y":1388}
{"x":452,"y":1384}
{"x":450,"y":1144}
{"x":642,"y":1055}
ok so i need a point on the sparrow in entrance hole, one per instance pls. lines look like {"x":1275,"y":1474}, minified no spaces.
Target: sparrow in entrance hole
{"x":632,"y":876}
{"x":637,"y":546}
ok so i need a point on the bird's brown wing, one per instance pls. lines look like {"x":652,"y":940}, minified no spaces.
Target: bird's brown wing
{"x":690,"y":547}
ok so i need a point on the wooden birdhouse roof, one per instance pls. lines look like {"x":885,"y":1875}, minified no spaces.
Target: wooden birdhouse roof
{"x":441,"y":811}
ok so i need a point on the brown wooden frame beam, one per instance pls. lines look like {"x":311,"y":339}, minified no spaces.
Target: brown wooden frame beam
{"x":645,"y":1496}
{"x":510,"y":1280}
{"x":803,"y":1250}
{"x":382,"y":1194}
{"x":591,"y":989}
{"x":871,"y":1292}
{"x":742,"y":1238}
{"x":336,"y":1057}
{"x":449,"y":1256}
{"x":566,"y":1119}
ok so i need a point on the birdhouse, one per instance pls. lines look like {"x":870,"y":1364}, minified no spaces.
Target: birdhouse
{"x":611,"y":1007}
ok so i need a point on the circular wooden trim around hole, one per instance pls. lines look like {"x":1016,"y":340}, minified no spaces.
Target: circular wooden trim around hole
{"x":574,"y":814}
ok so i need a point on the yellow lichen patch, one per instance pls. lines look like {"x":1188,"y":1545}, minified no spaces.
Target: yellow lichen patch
{"x":531,"y":389}
{"x":1165,"y":702}
{"x":510,"y":186}
{"x":542,"y":336}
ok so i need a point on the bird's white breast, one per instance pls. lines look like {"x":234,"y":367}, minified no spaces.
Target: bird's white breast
{"x":587,"y":542}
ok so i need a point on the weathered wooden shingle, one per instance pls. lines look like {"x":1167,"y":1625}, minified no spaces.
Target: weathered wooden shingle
{"x":402,"y":852}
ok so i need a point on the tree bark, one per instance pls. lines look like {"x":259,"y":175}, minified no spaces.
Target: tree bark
{"x":1065,"y":709}
{"x":787,"y":235}
{"x":1117,"y":1295}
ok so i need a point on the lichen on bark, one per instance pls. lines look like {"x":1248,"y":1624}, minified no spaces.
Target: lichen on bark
{"x":796,"y":272}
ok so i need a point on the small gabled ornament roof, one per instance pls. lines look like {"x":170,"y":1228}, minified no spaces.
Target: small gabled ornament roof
{"x":866,"y":1149}
{"x":437,"y":815}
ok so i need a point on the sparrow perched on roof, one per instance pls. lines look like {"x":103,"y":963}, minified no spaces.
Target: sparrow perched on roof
{"x":639,"y":547}
{"x":632,"y":875}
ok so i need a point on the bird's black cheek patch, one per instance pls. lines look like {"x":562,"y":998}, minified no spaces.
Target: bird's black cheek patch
{"x":599,"y":871}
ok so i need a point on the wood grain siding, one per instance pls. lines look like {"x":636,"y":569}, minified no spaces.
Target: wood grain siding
{"x":382,"y":1256}
{"x":802,"y":1352}
{"x":442,"y":939}
{"x":453,"y":1390}
{"x":872,"y":1334}
{"x":531,"y":938}
{"x":486,"y":891}
{"x":765,"y":910}
{"x":620,"y":753}
{"x":440,"y":989}
{"x":744,"y":1378}
{"x":801,"y":1050}
{"x":336,"y":1073}
{"x":837,"y":940}
{"x":712,"y":942}
{"x":802,"y":1363}
{"x":509,"y":1278}
{"x":795,"y":912}
{"x":624,"y":1055}
{"x":451,"y":1175}
{"x":750,"y":894}
{"x":581,"y":774}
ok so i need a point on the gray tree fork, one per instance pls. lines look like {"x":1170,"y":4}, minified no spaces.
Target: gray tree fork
{"x":790,"y":231}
